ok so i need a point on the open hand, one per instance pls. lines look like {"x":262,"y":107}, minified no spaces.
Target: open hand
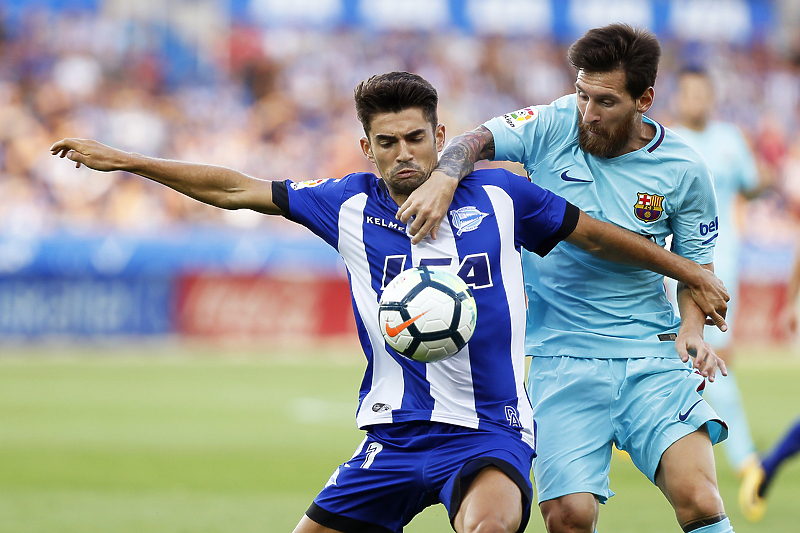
{"x":93,"y":154}
{"x":427,"y":206}
{"x":689,"y":344}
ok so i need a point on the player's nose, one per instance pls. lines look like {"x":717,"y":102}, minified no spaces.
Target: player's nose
{"x":590,"y":114}
{"x":404,"y":154}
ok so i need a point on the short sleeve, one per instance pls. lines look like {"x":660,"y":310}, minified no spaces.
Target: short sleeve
{"x":695,"y":222}
{"x":525,"y":135}
{"x":315,"y":204}
{"x":543,"y":218}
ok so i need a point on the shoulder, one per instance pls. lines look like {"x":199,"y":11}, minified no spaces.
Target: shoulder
{"x":358,"y":181}
{"x":564,"y":108}
{"x":489,"y":176}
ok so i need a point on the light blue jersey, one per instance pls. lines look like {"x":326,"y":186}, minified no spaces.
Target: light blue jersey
{"x":579,"y":305}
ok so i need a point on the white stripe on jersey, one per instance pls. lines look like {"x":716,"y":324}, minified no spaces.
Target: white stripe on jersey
{"x":387,"y":375}
{"x":453,"y":403}
{"x":514,"y":285}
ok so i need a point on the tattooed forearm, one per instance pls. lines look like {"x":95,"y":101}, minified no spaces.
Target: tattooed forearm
{"x":460,"y":156}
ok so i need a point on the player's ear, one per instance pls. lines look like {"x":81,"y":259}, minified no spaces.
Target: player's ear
{"x":644,"y":102}
{"x":440,"y":137}
{"x":367,"y":149}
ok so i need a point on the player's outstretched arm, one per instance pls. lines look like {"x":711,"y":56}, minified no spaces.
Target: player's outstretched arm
{"x":210,"y":184}
{"x":428,"y":204}
{"x":619,"y":245}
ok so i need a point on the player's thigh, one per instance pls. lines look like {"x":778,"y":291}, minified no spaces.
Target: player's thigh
{"x":660,"y":402}
{"x":492,"y":498}
{"x":571,"y":400}
{"x":687,"y":477}
{"x":487,"y":467}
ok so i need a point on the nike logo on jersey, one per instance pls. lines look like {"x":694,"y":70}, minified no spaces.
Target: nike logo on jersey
{"x":565,"y":177}
{"x":683,"y":416}
{"x":393,"y":332}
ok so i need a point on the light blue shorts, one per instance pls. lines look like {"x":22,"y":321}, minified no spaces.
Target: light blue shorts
{"x":583,"y":406}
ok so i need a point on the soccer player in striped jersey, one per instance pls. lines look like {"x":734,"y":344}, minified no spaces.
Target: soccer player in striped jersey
{"x":459,"y":431}
{"x":610,"y":358}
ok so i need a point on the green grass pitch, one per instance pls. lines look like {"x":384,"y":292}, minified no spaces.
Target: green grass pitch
{"x":168,"y":439}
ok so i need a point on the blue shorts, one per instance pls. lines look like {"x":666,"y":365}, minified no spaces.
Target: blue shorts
{"x":582,"y":406}
{"x":399,"y":470}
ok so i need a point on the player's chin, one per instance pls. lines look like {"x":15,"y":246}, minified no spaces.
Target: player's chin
{"x":407,"y":183}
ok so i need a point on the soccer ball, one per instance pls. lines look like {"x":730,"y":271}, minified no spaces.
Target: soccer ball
{"x":427,"y":314}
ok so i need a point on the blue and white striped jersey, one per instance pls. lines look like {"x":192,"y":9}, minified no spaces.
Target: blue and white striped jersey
{"x":493,"y":214}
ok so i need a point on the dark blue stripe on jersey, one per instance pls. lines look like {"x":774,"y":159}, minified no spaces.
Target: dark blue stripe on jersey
{"x":570,"y":222}
{"x":707,"y":241}
{"x":658,"y":142}
{"x":280,"y":197}
{"x":492,"y":303}
{"x":366,"y":346}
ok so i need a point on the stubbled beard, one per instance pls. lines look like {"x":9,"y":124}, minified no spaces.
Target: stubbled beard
{"x":609,"y":142}
{"x":407,"y":185}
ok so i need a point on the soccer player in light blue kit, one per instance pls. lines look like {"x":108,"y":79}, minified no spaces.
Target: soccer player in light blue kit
{"x":459,"y":431}
{"x":610,"y":358}
{"x":735,"y":175}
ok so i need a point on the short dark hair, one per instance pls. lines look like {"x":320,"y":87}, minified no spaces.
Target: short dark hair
{"x":692,"y":69}
{"x":606,"y":49}
{"x":394,"y":92}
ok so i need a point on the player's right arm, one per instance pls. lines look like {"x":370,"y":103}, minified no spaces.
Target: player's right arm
{"x":428,"y":204}
{"x":218,"y":186}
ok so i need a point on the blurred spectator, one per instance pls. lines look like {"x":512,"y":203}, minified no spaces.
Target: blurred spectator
{"x":277,"y":104}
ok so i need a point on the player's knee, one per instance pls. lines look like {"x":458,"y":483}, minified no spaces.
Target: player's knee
{"x":569,"y":515}
{"x":490,"y":524}
{"x":697,"y":500}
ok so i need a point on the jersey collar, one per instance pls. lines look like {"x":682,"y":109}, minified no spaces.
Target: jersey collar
{"x":658,"y":138}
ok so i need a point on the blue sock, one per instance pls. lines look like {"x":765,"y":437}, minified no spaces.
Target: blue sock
{"x":723,"y":526}
{"x":787,"y":447}
{"x":723,"y":395}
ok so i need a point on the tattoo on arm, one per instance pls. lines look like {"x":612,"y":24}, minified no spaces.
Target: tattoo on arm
{"x":459,"y":158}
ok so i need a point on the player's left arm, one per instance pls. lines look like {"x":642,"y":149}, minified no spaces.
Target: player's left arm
{"x":613,"y":243}
{"x":690,"y":341}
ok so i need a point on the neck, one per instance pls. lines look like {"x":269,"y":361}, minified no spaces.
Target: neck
{"x":399,"y":199}
{"x":696,"y":124}
{"x":642,"y":134}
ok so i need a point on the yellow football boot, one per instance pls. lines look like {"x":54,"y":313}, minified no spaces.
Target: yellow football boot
{"x":751,"y":504}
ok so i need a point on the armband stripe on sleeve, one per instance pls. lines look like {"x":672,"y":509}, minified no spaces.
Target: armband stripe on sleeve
{"x":568,"y":225}
{"x":280,"y":197}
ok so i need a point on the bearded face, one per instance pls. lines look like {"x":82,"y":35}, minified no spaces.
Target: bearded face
{"x":599,"y":141}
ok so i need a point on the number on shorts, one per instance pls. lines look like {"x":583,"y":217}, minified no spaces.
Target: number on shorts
{"x":372,"y":450}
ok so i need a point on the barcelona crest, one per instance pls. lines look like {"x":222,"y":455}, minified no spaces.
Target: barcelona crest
{"x":648,"y":207}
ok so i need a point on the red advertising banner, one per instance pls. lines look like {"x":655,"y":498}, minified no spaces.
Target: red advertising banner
{"x":263,"y":306}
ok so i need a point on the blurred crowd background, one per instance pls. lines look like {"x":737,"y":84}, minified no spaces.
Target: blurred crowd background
{"x":266,"y":87}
